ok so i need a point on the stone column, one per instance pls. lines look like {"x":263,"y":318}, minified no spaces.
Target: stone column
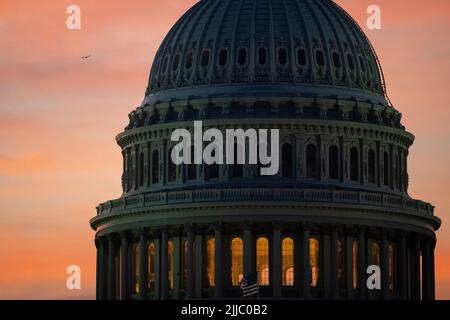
{"x":277,"y":280}
{"x":190,"y":264}
{"x":249,"y":250}
{"x":402,"y":270}
{"x":415,"y":274}
{"x":125,"y":266}
{"x":432,"y":271}
{"x":305,"y":262}
{"x":164,"y":256}
{"x":102,"y":265}
{"x":143,"y":264}
{"x":384,"y":265}
{"x":428,"y":269}
{"x":362,"y":288}
{"x":349,"y":287}
{"x":112,"y":284}
{"x":333,"y":263}
{"x":218,"y":261}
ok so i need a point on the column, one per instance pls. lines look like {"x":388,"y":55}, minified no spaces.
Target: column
{"x":333,"y":263}
{"x":125,"y":266}
{"x":111,"y":268}
{"x":157,"y":243}
{"x":362,"y":264}
{"x":349,"y":285}
{"x":164,"y":265}
{"x":305,"y":263}
{"x":249,"y":248}
{"x":199,"y":267}
{"x":415,"y":274}
{"x":190,"y":264}
{"x":432,"y":271}
{"x":428,"y":269}
{"x":218,"y":261}
{"x":384,"y":265}
{"x":325,"y":254}
{"x":402,"y":271}
{"x":143,"y":264}
{"x":277,"y":280}
{"x":102,"y":269}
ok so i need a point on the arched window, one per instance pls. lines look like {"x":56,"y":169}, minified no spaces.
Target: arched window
{"x":151,"y":266}
{"x":395,"y":173}
{"x":287,"y":166}
{"x":386,"y":169}
{"x":212,"y":169}
{"x":399,"y":170}
{"x":333,"y":162}
{"x":392,"y":266}
{"x":223,"y":57}
{"x":262,"y":56}
{"x":301,"y":56}
{"x":136,"y":269}
{"x":171,"y":167}
{"x":237,"y":261}
{"x":282,"y":56}
{"x":355,"y":264}
{"x":192,"y":168}
{"x":320,"y":59}
{"x":314,"y":255}
{"x":376,"y":254}
{"x":287,"y":249}
{"x":141,"y":169}
{"x":184,"y":259}
{"x":155,"y":166}
{"x":336,"y":60}
{"x":354,"y":164}
{"x":237,"y":169}
{"x":189,"y":60}
{"x":372,"y":170}
{"x":176,"y":62}
{"x":262,"y":261}
{"x":311,"y":161}
{"x":350,"y":61}
{"x":205,"y":58}
{"x":242,"y":56}
{"x":170,"y":260}
{"x":340,"y":262}
{"x":210,"y":247}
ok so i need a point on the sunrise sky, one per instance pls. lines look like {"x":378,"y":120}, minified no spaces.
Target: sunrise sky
{"x":59,"y":115}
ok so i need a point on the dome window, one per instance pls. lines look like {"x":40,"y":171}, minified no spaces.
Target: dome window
{"x":176,"y":62}
{"x":262,"y":56}
{"x":242,"y":57}
{"x":282,"y":56}
{"x":320,"y":59}
{"x":205,"y":58}
{"x":189,"y":60}
{"x":336,"y":60}
{"x":351,"y":62}
{"x":223,"y":57}
{"x":301,"y":57}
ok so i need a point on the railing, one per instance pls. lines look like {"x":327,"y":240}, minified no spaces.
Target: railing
{"x":265,"y":194}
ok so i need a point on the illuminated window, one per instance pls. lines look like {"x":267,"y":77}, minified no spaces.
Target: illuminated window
{"x":340,"y":262}
{"x":375,"y":254}
{"x":237,"y":261}
{"x":170,"y":259}
{"x":355,"y":264}
{"x":210,"y":246}
{"x":392,"y":266}
{"x":311,"y":161}
{"x":354,"y":164}
{"x":136,"y":269}
{"x":262,"y":261}
{"x":151,"y":266}
{"x":314,"y":261}
{"x":288,"y":261}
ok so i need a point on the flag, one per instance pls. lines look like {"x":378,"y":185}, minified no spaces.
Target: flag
{"x":249,"y":285}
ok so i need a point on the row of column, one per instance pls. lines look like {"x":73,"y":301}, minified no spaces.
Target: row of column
{"x":410,"y":249}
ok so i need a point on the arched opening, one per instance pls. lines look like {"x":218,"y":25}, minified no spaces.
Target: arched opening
{"x":155,"y":166}
{"x":287,"y":166}
{"x":282,"y":56}
{"x":223,"y":57}
{"x":333,"y":162}
{"x":205,"y":58}
{"x":287,"y":249}
{"x":354,"y":164}
{"x":237,"y":261}
{"x":170,"y":255}
{"x":336,"y":60}
{"x":210,"y":247}
{"x":262,"y":261}
{"x":386,"y":169}
{"x":141,"y":169}
{"x":242,"y":56}
{"x":301,"y":56}
{"x":176,"y":62}
{"x":311,"y":161}
{"x":189,"y":60}
{"x":171,"y":167}
{"x":151,"y":266}
{"x":350,"y":61}
{"x":320,"y":59}
{"x":314,"y":254}
{"x":372,"y":169}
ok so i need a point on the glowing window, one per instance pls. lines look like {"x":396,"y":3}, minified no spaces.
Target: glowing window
{"x":237,"y":261}
{"x":151,"y":266}
{"x":375,"y":254}
{"x":355,"y":264}
{"x":262,"y":261}
{"x":288,"y":261}
{"x":136,"y":269}
{"x":314,"y":261}
{"x":210,"y":247}
{"x":170,"y":266}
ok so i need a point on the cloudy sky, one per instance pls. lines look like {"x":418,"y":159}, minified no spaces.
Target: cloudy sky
{"x":59,"y":115}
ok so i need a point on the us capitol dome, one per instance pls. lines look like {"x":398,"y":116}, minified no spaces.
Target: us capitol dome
{"x":339,"y":202}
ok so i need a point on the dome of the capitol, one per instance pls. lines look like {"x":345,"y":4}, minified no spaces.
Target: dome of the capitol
{"x":265,"y":47}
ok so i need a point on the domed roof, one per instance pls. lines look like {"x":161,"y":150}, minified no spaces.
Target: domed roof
{"x":223,"y":48}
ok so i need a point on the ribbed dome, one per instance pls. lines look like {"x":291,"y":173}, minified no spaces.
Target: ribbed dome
{"x":265,"y":47}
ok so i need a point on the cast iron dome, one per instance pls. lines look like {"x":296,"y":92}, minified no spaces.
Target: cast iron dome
{"x":339,"y":203}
